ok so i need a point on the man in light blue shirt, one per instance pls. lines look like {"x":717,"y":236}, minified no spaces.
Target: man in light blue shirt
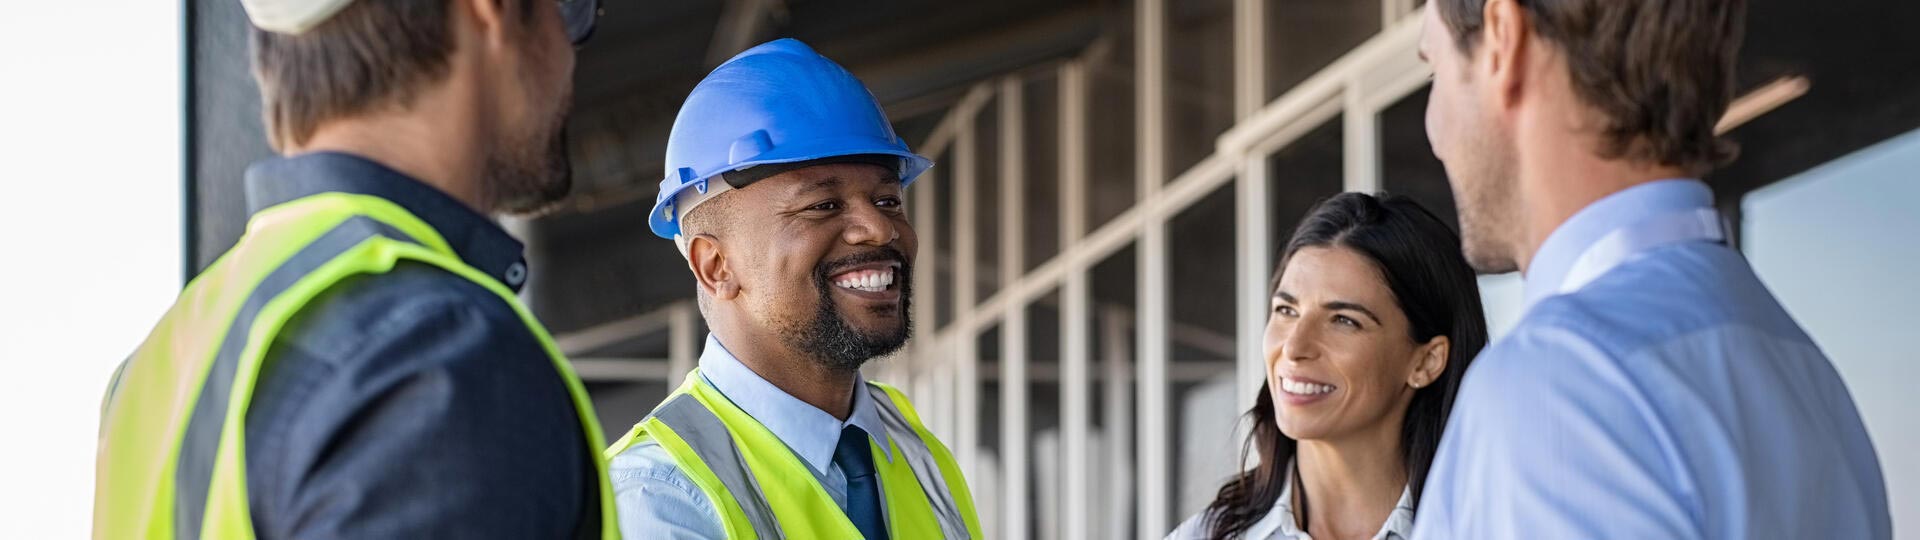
{"x":1653,"y":388}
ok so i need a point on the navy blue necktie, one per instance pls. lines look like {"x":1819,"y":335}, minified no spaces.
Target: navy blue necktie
{"x":855,"y":458}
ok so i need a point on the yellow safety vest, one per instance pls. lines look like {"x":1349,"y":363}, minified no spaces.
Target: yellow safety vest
{"x":172,"y":457}
{"x":762,"y":490}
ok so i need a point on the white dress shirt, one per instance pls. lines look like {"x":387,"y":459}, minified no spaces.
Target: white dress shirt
{"x":1279,"y":523}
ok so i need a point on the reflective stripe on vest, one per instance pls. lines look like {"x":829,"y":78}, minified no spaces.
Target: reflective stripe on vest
{"x":762,"y":490}
{"x":172,"y":453}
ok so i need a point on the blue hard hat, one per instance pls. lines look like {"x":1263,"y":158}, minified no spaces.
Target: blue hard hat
{"x":776,"y":103}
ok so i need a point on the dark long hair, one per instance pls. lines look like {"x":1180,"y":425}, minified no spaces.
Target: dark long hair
{"x":1420,"y":258}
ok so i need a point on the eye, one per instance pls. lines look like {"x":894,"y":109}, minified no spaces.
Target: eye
{"x":889,"y":202}
{"x":1286,"y":311}
{"x":826,"y":206}
{"x":1344,"y":320}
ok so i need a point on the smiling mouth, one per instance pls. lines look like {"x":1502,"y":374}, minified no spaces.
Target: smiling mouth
{"x":1304,"y":388}
{"x":871,"y":280}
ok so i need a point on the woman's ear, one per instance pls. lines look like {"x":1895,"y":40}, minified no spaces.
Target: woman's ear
{"x":1429,"y":362}
{"x":710,"y":269}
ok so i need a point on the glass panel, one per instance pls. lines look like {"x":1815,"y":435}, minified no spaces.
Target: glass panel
{"x":1199,"y":83}
{"x":1040,"y":198}
{"x":986,"y":200}
{"x":1043,"y":416}
{"x":1302,"y":174}
{"x":1305,"y":36}
{"x":1201,"y":350}
{"x":1407,"y":165}
{"x":940,"y":180}
{"x":987,"y":476}
{"x":1835,"y":245}
{"x":1110,"y":122}
{"x":1110,"y":482}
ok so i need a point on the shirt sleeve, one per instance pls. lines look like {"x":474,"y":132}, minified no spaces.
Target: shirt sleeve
{"x":1550,"y":438}
{"x":413,"y":409}
{"x":656,"y":499}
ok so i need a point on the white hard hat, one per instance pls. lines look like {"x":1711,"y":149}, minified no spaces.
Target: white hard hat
{"x":291,"y":16}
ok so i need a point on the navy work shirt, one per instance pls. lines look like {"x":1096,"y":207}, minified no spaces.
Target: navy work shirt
{"x":413,"y":403}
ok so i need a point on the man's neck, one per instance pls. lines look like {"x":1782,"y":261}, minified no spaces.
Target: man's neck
{"x":429,"y":142}
{"x":792,"y":372}
{"x":1352,"y":484}
{"x":1560,"y":184}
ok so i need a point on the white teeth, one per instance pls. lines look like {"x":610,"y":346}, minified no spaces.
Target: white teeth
{"x":1303,"y":388}
{"x":870,"y":281}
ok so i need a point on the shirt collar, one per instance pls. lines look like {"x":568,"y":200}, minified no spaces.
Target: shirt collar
{"x":1556,"y":256}
{"x":476,"y":239}
{"x":808,"y":431}
{"x":1280,"y":523}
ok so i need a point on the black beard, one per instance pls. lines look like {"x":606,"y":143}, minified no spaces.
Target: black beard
{"x":831,"y":341}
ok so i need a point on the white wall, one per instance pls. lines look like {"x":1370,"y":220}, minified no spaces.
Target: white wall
{"x":89,"y":234}
{"x":1840,"y":245}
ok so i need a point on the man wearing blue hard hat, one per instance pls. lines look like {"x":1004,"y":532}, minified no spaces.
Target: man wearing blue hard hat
{"x":784,"y":190}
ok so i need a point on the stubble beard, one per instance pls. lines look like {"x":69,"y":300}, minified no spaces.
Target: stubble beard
{"x":1488,"y":198}
{"x":530,"y":175}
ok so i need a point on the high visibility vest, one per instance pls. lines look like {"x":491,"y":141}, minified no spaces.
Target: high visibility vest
{"x":172,"y":456}
{"x":762,"y":490}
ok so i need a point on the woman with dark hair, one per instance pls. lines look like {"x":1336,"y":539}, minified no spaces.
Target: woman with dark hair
{"x":1375,"y":318}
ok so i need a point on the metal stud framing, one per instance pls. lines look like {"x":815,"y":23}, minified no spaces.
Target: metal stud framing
{"x":1134,"y":373}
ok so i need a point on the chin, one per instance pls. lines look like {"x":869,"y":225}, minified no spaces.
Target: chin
{"x":890,"y":329}
{"x":1302,"y":433}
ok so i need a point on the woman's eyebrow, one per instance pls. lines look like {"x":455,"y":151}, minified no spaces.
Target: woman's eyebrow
{"x":1352,"y":306}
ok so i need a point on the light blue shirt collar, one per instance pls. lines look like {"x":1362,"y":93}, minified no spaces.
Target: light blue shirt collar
{"x":1555,"y":259}
{"x":810,"y":432}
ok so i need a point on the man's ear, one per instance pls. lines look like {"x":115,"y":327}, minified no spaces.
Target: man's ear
{"x":1505,"y":42}
{"x":489,"y":18}
{"x":1430,"y":361}
{"x":710,"y":267}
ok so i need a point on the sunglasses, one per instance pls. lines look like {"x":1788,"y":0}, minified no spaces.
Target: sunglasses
{"x":580,"y":17}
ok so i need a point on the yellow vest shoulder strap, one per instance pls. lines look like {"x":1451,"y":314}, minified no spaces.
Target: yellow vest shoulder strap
{"x":171,"y":461}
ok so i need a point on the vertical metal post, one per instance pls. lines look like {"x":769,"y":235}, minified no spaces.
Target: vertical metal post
{"x":1075,"y":309}
{"x":1249,"y":56}
{"x":966,"y":357}
{"x":925,"y":354}
{"x":1362,"y":142}
{"x":1251,"y":262}
{"x":1150,"y":86}
{"x":1117,"y":390}
{"x":1392,"y":10}
{"x":1155,"y":435}
{"x":1013,"y":327}
{"x":1251,"y":210}
{"x":1152,"y":262}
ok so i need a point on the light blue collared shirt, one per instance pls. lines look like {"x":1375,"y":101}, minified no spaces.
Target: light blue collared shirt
{"x":1669,"y":397}
{"x":656,"y":499}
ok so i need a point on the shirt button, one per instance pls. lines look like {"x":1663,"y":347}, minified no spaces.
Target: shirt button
{"x":516,"y":274}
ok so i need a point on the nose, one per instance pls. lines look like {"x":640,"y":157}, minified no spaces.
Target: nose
{"x":867,"y":225}
{"x":1291,"y":342}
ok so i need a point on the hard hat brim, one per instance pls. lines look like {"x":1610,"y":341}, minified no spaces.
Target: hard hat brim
{"x":666,"y":226}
